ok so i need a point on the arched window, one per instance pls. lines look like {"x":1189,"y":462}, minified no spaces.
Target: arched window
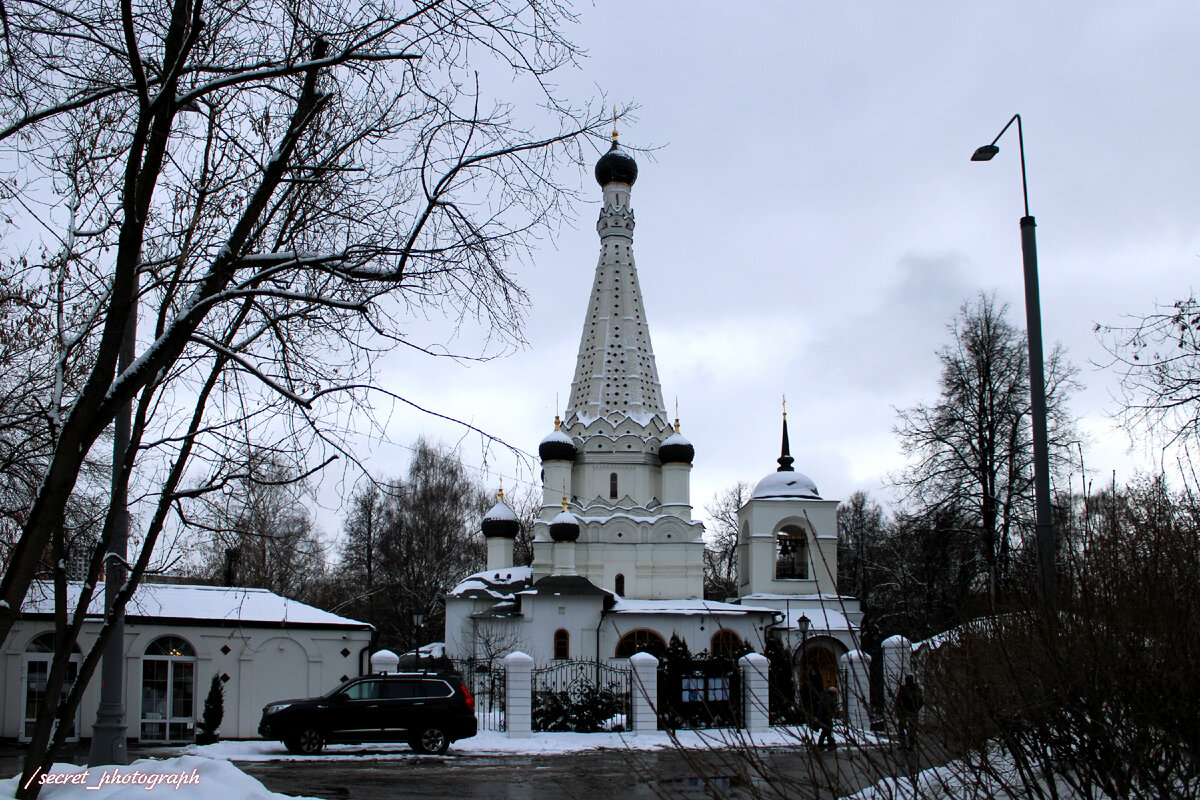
{"x":791,"y":553}
{"x":641,"y":640}
{"x":726,"y":644}
{"x":562,"y":644}
{"x":44,"y":643}
{"x":168,"y":691}
{"x":620,"y":584}
{"x":38,"y":656}
{"x":612,"y":485}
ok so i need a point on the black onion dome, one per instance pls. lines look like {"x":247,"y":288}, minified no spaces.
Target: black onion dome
{"x":557,"y":447}
{"x":675,"y":449}
{"x":616,"y":166}
{"x":564,"y":527}
{"x":500,"y":522}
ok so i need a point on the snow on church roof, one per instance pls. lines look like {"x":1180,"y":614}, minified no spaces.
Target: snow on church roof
{"x":218,"y":605}
{"x":501,"y":584}
{"x":685,"y":607}
{"x":785,"y":485}
{"x":820,"y":620}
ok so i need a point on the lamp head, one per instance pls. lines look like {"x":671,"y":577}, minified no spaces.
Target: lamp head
{"x":985,"y":153}
{"x":804,"y":622}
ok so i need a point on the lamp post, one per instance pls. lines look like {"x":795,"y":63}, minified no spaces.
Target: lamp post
{"x":109,"y":745}
{"x":418,"y":620}
{"x":805,"y":683}
{"x":1037,"y":378}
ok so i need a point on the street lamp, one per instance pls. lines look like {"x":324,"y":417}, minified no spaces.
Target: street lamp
{"x":1037,"y":378}
{"x":805,"y":683}
{"x":418,"y":618}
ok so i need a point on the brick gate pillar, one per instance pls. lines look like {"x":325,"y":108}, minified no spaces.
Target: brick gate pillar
{"x":645,"y":692}
{"x":518,"y":710}
{"x":755,"y":692}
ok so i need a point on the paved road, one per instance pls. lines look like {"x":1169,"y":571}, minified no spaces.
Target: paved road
{"x":603,"y":775}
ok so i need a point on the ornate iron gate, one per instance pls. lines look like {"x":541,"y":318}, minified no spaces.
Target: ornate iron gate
{"x":486,"y":681}
{"x":581,"y":696}
{"x":699,"y":693}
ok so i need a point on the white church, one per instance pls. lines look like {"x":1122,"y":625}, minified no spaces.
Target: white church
{"x":618,"y":559}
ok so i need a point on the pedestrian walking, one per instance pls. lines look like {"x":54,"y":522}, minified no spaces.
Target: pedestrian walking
{"x":908,"y":703}
{"x":827,"y":708}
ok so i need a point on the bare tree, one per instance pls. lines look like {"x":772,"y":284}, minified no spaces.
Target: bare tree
{"x":526,"y":502}
{"x":269,"y":191}
{"x":259,"y":533}
{"x":356,"y":578}
{"x":1049,"y":697}
{"x":720,"y":553}
{"x":431,"y":538}
{"x":971,"y":451}
{"x":860,"y":530}
{"x":1159,"y":358}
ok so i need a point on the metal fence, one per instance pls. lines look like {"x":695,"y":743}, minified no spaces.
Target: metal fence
{"x":485,"y":680}
{"x":581,"y":696}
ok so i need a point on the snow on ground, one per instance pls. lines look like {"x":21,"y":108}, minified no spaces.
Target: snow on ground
{"x":204,"y":772}
{"x":489,"y":743}
{"x":186,"y":777}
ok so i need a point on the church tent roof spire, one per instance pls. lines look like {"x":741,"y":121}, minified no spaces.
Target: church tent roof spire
{"x":615,"y":369}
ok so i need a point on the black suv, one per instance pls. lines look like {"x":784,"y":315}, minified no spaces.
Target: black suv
{"x":427,"y":710}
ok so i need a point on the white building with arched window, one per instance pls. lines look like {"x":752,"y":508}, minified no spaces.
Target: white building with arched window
{"x":263,"y":648}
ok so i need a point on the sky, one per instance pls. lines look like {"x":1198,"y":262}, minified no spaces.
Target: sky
{"x":809,"y":221}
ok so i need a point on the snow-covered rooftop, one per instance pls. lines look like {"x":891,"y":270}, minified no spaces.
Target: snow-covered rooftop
{"x":500,"y":511}
{"x":685,"y":607}
{"x":205,"y":604}
{"x":500,"y":584}
{"x":815,"y":597}
{"x":558,"y":436}
{"x":820,"y":620}
{"x":785,"y":486}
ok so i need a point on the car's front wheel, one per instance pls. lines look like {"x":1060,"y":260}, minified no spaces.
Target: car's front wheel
{"x":307,"y":742}
{"x":431,"y":740}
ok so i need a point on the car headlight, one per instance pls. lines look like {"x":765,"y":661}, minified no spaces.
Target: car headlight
{"x":275,"y":708}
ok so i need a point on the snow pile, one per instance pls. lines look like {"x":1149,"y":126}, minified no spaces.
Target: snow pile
{"x":187,"y":777}
{"x":997,"y":778}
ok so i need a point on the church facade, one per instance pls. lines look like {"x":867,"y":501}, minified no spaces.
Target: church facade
{"x":618,"y":558}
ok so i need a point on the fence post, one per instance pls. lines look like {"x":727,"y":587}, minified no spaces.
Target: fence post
{"x":897,"y":662}
{"x":755,"y":692}
{"x":518,"y":713}
{"x":645,"y":692}
{"x":856,"y":671}
{"x":384,"y":661}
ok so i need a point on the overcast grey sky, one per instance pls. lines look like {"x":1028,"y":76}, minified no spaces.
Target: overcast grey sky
{"x":811,"y":220}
